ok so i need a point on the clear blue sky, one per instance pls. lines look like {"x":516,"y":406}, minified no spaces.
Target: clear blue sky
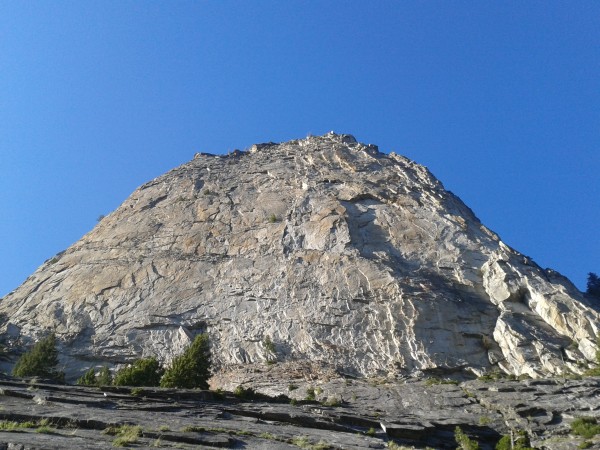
{"x":501,"y":100}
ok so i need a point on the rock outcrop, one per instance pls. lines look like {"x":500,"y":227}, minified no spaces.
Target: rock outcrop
{"x":362,"y":415}
{"x":355,"y":260}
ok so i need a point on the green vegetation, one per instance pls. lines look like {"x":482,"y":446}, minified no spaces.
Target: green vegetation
{"x":272,"y":218}
{"x":40,"y":361}
{"x":269,"y":436}
{"x":463,"y":441}
{"x":586,"y":427}
{"x":292,"y":387}
{"x":88,"y":378}
{"x":124,"y":435}
{"x":520,"y":442}
{"x":484,"y":420}
{"x":144,"y":372}
{"x":3,"y":349}
{"x":300,"y":441}
{"x":393,"y":446}
{"x":218,"y":394}
{"x":104,"y":377}
{"x":244,"y":393}
{"x":304,"y":443}
{"x":271,"y":351}
{"x":586,"y":444}
{"x":200,"y":429}
{"x":593,"y":285}
{"x":435,"y":380}
{"x":42,"y":426}
{"x":268,"y":344}
{"x":189,"y":370}
{"x":332,"y":401}
{"x":45,"y":429}
{"x":310,"y":394}
{"x":192,"y":368}
{"x":137,"y":392}
{"x":193,"y":429}
{"x":595,"y":372}
{"x":6,"y":425}
{"x":371,"y":432}
{"x":496,"y":375}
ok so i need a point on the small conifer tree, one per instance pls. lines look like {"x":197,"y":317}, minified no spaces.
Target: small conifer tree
{"x":104,"y":378}
{"x":192,"y":368}
{"x":88,"y":378}
{"x":463,"y":441}
{"x":514,"y":441}
{"x":40,"y":361}
{"x":144,"y":372}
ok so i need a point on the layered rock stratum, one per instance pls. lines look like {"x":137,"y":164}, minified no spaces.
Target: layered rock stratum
{"x":370,"y":415}
{"x":354,"y":260}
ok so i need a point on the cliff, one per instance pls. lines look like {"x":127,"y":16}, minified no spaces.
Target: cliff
{"x":354,"y":260}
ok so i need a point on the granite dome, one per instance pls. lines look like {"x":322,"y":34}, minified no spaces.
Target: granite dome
{"x":353,"y":259}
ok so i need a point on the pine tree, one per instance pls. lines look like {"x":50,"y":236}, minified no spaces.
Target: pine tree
{"x":88,"y":378}
{"x":593,"y":285}
{"x":463,"y":441}
{"x":104,"y":378}
{"x":192,"y":368}
{"x":144,"y":372}
{"x":40,"y":361}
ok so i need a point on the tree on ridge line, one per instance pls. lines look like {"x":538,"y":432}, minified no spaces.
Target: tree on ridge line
{"x":593,"y":285}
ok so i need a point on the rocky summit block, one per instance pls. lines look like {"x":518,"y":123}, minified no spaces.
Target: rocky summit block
{"x":320,"y":250}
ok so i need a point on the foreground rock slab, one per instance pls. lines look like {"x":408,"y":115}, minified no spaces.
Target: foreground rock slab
{"x":346,"y":414}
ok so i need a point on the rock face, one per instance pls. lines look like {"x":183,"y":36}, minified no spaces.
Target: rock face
{"x":343,"y":256}
{"x":366,"y":415}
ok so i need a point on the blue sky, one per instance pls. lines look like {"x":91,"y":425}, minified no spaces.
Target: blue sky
{"x":501,"y":100}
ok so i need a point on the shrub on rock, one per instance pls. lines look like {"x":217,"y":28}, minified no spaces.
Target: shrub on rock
{"x":190,"y":369}
{"x":144,"y":372}
{"x":463,"y":441}
{"x":87,"y":379}
{"x":104,"y":377}
{"x":516,"y":441}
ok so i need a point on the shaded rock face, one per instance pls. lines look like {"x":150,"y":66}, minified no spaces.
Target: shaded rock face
{"x":341,"y":255}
